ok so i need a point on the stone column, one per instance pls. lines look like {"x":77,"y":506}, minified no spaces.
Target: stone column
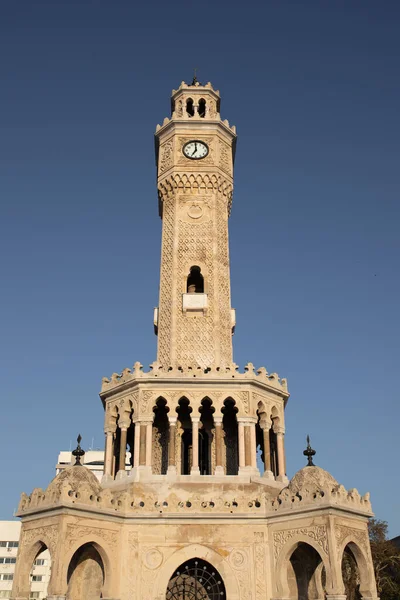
{"x":242,"y":452}
{"x":142,"y":450}
{"x":219,"y":469}
{"x":253,"y":445}
{"x":266,"y":427}
{"x":247,"y":444}
{"x":108,"y":452}
{"x":195,"y":446}
{"x":280,"y":432}
{"x":149,"y":441}
{"x":122,"y":450}
{"x":136,"y":447}
{"x":171,"y":446}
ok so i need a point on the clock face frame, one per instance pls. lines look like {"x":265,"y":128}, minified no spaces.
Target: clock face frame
{"x":195,"y":149}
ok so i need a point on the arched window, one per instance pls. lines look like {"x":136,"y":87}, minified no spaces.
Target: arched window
{"x":202,"y":108}
{"x":195,"y":281}
{"x":196,"y":580}
{"x":189,"y":107}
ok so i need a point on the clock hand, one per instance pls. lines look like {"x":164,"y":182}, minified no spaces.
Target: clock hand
{"x":195,"y":150}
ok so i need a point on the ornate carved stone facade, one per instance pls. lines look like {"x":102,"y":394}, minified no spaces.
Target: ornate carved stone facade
{"x":207,"y":490}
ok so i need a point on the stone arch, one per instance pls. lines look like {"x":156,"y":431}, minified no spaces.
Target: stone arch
{"x":364,"y":564}
{"x":105,"y":553}
{"x":85,"y":575}
{"x":160,"y":437}
{"x":206,"y":437}
{"x":203,"y":553}
{"x":230,"y":428}
{"x":184,"y":435}
{"x":284,"y":569}
{"x":26,"y":557}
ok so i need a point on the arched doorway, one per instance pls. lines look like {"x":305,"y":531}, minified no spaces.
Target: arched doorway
{"x":196,"y":579}
{"x":85,"y":574}
{"x":305,"y":574}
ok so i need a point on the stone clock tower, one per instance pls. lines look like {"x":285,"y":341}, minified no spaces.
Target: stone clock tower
{"x":195,"y":154}
{"x":195,"y":503}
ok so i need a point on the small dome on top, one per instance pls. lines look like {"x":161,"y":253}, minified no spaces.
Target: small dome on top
{"x":75,"y":476}
{"x":312,"y":478}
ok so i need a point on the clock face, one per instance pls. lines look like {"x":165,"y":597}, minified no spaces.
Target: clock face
{"x":195,"y":150}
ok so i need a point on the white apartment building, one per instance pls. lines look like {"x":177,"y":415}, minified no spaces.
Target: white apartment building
{"x":93,"y":460}
{"x":40,"y":574}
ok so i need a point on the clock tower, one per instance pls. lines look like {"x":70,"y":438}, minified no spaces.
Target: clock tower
{"x":194,"y":502}
{"x":195,"y":153}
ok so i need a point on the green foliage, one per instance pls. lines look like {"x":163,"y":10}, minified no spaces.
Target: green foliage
{"x":386,"y":559}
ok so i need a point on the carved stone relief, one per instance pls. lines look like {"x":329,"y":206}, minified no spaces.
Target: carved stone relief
{"x":46,"y":534}
{"x":259,"y":551}
{"x":358,"y":535}
{"x":315,"y":532}
{"x":76,"y":533}
{"x":166,"y":156}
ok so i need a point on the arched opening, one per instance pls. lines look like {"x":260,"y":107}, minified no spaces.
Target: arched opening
{"x":40,"y":573}
{"x":351,"y":575}
{"x":273,"y":444}
{"x":305,"y":574}
{"x":189,"y":107}
{"x":206,"y":436}
{"x":185,"y":430}
{"x":202,"y":108}
{"x":86,"y":575}
{"x":260,"y":450}
{"x":160,"y":438}
{"x":196,"y":579}
{"x":130,"y":440}
{"x":195,"y":281}
{"x":231,"y":437}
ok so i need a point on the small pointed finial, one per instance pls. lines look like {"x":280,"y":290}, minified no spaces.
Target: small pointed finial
{"x":309,"y":452}
{"x":195,"y":81}
{"x":78,"y":452}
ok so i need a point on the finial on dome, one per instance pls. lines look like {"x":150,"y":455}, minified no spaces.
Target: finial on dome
{"x":195,"y":81}
{"x":309,"y":452}
{"x":78,"y":452}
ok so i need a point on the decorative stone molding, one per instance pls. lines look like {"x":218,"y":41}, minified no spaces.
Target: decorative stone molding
{"x":79,"y":533}
{"x":47,"y":534}
{"x":315,"y":532}
{"x":259,"y":556}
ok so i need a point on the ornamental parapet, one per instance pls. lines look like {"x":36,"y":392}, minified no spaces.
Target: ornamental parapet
{"x":136,"y":499}
{"x":289,"y":501}
{"x":229,"y":372}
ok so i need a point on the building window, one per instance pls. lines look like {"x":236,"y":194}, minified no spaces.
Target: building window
{"x":8,"y":544}
{"x":6,"y":560}
{"x":37,"y":577}
{"x":6,"y":577}
{"x":5,"y":593}
{"x":40,"y":562}
{"x":34,"y":595}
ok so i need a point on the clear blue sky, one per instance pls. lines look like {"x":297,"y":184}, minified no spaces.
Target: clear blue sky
{"x":314,"y":90}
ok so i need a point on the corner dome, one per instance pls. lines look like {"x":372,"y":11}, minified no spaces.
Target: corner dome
{"x":312,"y":479}
{"x":75,"y":476}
